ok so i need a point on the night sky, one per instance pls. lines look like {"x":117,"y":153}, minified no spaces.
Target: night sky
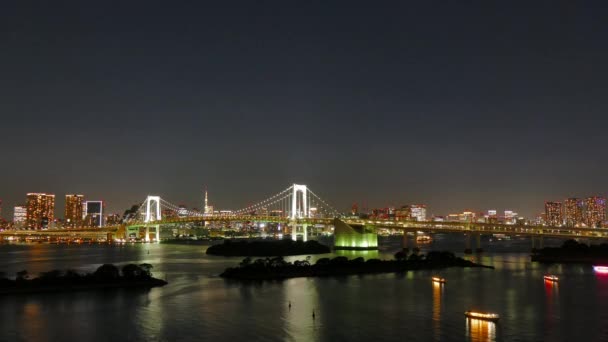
{"x":480,"y":106}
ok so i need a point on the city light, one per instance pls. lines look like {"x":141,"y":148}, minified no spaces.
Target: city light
{"x":601,"y":269}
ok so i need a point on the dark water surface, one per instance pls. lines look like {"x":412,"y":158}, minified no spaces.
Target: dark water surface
{"x":197,"y":305}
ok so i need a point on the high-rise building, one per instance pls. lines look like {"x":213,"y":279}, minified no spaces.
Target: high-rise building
{"x":208,"y":210}
{"x":168,"y":214}
{"x":113,"y":219}
{"x":404,"y":213}
{"x":573,"y":212}
{"x":418,"y":212}
{"x":93,"y":213}
{"x":74,"y":210}
{"x":553,"y":214}
{"x":492,"y":216}
{"x":40,"y":210}
{"x":182,"y":211}
{"x":354,"y":209}
{"x":595,"y":211}
{"x":20,"y":216}
{"x":467,"y":216}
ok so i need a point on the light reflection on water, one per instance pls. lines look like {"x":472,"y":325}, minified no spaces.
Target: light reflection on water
{"x":199,"y":305}
{"x":437,"y":294}
{"x":478,"y":330}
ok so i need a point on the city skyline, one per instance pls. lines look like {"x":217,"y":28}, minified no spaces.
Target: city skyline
{"x":415,"y":103}
{"x":590,"y":210}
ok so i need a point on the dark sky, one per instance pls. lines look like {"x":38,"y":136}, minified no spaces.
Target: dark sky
{"x":477,"y":104}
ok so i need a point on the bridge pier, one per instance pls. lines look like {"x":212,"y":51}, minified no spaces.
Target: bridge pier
{"x":147,"y":236}
{"x":478,"y":248}
{"x":467,"y":244}
{"x":537,"y":242}
{"x":305,"y":232}
{"x":415,"y":249}
{"x":404,"y":242}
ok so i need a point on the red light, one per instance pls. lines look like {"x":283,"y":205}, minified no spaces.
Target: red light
{"x":601,"y":269}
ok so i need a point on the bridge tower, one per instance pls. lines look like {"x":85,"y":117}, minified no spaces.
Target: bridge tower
{"x":153,"y":213}
{"x":153,"y":209}
{"x":299,"y":210}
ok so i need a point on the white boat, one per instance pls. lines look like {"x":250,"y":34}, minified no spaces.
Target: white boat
{"x":486,"y":316}
{"x":551,"y":277}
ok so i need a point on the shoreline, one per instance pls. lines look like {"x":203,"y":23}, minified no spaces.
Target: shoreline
{"x":278,"y":269}
{"x":145,"y":284}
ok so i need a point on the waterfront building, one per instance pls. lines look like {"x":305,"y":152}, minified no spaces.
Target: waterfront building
{"x":19,"y":216}
{"x":573,"y":212}
{"x":510,"y":217}
{"x":553,"y":214}
{"x":93,"y":213}
{"x":467,"y":216}
{"x":404,"y":213}
{"x":411,"y":212}
{"x":492,"y":216}
{"x":182,"y":211}
{"x":595,"y":211}
{"x":40,"y":210}
{"x":453,"y":217}
{"x":418,"y":212}
{"x":262,"y":212}
{"x":354,"y":210}
{"x":74,"y":211}
{"x":168,"y":214}
{"x":113,"y":219}
{"x":312,"y":212}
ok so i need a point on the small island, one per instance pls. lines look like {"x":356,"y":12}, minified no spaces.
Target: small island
{"x":572,"y":252}
{"x":105,"y":277}
{"x":277,"y":268}
{"x":267,"y":248}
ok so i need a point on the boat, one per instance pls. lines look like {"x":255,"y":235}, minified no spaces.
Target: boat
{"x":424,"y":238}
{"x":551,"y":277}
{"x":600,"y":269}
{"x":486,"y":316}
{"x":438,"y":280}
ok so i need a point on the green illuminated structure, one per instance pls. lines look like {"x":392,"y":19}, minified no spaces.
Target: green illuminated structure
{"x":354,"y":237}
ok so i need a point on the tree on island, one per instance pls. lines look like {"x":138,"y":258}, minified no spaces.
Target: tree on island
{"x":146,"y":270}
{"x":22,"y":275}
{"x":400,"y":256}
{"x":107,"y":271}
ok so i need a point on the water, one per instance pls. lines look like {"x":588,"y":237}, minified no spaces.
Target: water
{"x":198,"y":305}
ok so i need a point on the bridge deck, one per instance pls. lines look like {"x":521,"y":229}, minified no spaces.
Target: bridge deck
{"x":424,"y":226}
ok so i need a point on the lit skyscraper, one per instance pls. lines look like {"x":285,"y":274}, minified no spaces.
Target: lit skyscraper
{"x":74,"y":211}
{"x":553,"y":213}
{"x":404,"y":213}
{"x":418,"y":212}
{"x":573,"y":212}
{"x":595,"y":211}
{"x":492,"y":216}
{"x":182,"y":211}
{"x":20,"y":216}
{"x":40,"y":210}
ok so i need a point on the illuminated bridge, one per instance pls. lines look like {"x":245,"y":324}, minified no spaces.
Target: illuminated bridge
{"x":297,"y":208}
